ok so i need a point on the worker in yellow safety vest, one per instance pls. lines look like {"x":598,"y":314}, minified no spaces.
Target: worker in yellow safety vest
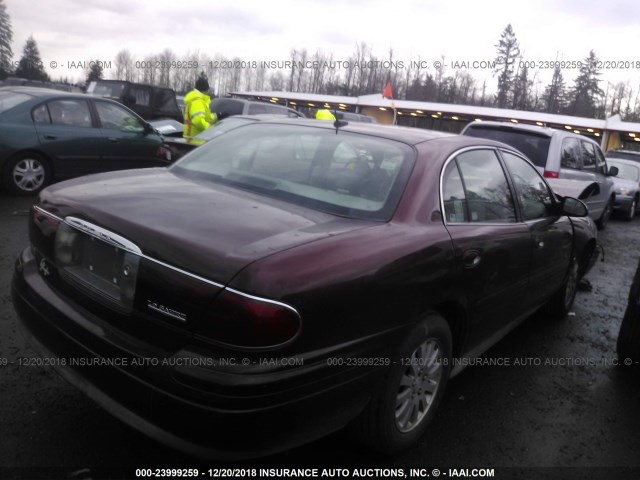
{"x":324,"y":114}
{"x":197,"y":115}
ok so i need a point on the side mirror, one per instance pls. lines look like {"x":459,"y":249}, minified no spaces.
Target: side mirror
{"x":573,"y":207}
{"x":129,"y":100}
{"x":613,"y":172}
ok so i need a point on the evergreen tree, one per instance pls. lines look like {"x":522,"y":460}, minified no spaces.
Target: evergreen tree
{"x":586,"y":91}
{"x":508,"y":52}
{"x":30,"y":65}
{"x":6,"y":37}
{"x":95,"y":71}
{"x":521,"y":86}
{"x":554,"y":97}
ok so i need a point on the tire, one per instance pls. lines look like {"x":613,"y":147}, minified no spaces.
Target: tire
{"x":26,"y":174}
{"x":628,"y":344}
{"x":602,"y":222}
{"x":406,"y":401}
{"x":559,"y":305}
{"x":631,"y":213}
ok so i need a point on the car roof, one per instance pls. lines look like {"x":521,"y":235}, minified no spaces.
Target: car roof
{"x":409,"y":135}
{"x":37,"y":91}
{"x":546,"y":131}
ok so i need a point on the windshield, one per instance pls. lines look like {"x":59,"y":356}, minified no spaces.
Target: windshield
{"x":625,"y":171}
{"x":9,"y":100}
{"x":534,"y":147}
{"x":346,"y":174}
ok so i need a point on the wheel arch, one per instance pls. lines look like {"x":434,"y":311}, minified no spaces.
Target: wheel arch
{"x":456,"y":317}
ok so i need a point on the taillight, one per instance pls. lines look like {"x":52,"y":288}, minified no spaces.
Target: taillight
{"x":246,"y":321}
{"x":164,"y":153}
{"x":550,"y":174}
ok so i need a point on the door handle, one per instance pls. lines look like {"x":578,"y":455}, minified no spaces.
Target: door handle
{"x":50,"y":137}
{"x":471,"y":259}
{"x":113,"y":139}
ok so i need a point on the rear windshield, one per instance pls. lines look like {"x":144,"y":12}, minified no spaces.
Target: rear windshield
{"x":352,"y":175}
{"x":227,"y":106}
{"x":9,"y":100}
{"x":534,"y":147}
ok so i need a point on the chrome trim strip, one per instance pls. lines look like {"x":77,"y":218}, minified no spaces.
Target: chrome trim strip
{"x":261,"y":299}
{"x":184,"y":272}
{"x":182,"y":317}
{"x":121,"y":242}
{"x":449,"y":159}
{"x":103,"y":234}
{"x":43,"y":211}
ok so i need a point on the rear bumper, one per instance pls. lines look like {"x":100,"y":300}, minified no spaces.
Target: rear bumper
{"x":202,"y":411}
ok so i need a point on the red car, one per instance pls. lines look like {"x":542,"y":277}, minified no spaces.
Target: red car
{"x":291,"y":277}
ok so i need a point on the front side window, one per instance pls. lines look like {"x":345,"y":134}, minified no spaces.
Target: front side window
{"x":533,"y":194}
{"x":487,"y":191}
{"x":588,"y":156}
{"x":346,"y":174}
{"x":601,"y":163}
{"x":114,"y":117}
{"x":71,"y":113}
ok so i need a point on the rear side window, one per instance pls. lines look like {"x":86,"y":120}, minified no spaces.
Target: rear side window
{"x":535,"y":147}
{"x":71,"y":113}
{"x":570,"y":155}
{"x":487,"y":196}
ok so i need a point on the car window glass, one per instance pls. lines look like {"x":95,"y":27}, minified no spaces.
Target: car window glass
{"x":114,"y":117}
{"x":142,"y":96}
{"x":487,"y":191}
{"x":41,"y":114}
{"x":256,"y":108}
{"x":455,"y":207}
{"x":533,"y":194}
{"x":71,"y":113}
{"x":351,"y":175}
{"x":626,"y":171}
{"x":9,"y":100}
{"x":534,"y":146}
{"x":601,"y":163}
{"x":570,"y":156}
{"x":588,"y":156}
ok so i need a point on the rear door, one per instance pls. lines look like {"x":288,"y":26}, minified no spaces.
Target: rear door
{"x":578,"y":162}
{"x":492,"y":249}
{"x":69,"y":136}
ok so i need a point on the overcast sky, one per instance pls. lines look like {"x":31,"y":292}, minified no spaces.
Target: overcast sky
{"x":463,"y":30}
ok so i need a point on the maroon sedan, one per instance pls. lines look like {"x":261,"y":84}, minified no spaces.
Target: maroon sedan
{"x":289,"y":278}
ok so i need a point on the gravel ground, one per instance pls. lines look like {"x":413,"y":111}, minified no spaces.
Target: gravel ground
{"x":559,"y":410}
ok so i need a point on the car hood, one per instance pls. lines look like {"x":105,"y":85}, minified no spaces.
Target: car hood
{"x":624,"y":183}
{"x":207,"y":229}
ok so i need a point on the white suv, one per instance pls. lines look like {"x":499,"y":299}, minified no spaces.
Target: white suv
{"x":558,"y":154}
